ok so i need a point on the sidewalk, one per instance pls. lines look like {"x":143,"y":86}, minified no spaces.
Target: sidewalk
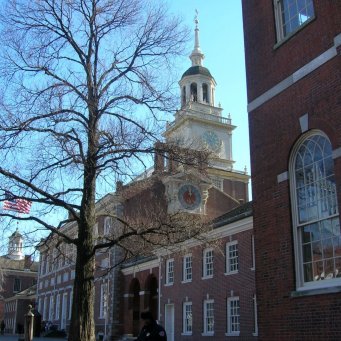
{"x":15,"y":338}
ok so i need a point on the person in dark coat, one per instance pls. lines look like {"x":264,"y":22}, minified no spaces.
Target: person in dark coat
{"x":151,"y":331}
{"x":2,"y":327}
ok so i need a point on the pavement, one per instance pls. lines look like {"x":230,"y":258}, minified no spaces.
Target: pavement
{"x":16,"y":337}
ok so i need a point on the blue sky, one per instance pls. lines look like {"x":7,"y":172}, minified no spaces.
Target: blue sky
{"x":222,"y":42}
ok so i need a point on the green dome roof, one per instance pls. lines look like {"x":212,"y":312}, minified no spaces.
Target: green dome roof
{"x":197,"y":70}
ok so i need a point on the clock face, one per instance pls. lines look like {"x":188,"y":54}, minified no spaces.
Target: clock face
{"x":189,"y":196}
{"x":212,"y":140}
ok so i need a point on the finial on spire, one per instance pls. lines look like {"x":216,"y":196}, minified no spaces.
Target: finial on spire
{"x":196,"y":21}
{"x":196,"y":56}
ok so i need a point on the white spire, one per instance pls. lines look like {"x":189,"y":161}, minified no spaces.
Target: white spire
{"x":196,"y":56}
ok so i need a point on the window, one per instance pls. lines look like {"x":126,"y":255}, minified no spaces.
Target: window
{"x":315,"y":213}
{"x":183,"y":96}
{"x":57,"y":306}
{"x":17,"y":285}
{"x":208,"y":317}
{"x":194,"y":94}
{"x":187,"y":268}
{"x":291,"y":15}
{"x":104,"y":301}
{"x":170,"y":271}
{"x":45,"y":309}
{"x":70,"y":305}
{"x":187,"y":318}
{"x":233,"y":316}
{"x":208,"y":263}
{"x":107,"y":225}
{"x":232,"y":257}
{"x":205,"y":93}
{"x":51,"y":309}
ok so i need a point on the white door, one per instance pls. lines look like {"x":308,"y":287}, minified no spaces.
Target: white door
{"x":64,"y":310}
{"x":169,"y":321}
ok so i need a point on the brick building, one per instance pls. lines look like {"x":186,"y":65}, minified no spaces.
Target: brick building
{"x":200,"y":288}
{"x":19,"y":273}
{"x":293,"y":65}
{"x":204,"y":287}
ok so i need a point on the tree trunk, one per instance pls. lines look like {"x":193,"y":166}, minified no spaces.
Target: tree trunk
{"x":82,"y":321}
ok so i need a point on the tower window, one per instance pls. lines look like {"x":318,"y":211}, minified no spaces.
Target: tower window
{"x":194,"y":92}
{"x":315,"y":212}
{"x":183,"y":96}
{"x":205,"y":93}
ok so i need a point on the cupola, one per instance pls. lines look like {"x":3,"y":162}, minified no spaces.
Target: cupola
{"x":197,"y":83}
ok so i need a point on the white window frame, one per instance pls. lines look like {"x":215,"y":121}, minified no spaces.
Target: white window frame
{"x":107,"y":226}
{"x":298,"y":227}
{"x":103,"y":305}
{"x":232,"y":263}
{"x":187,"y":318}
{"x":208,"y":318}
{"x":281,"y":35}
{"x":233,"y":314}
{"x":51,"y":308}
{"x":70,"y":304}
{"x":170,"y":271}
{"x":45,"y":309}
{"x":187,"y":270}
{"x":208,"y":263}
{"x":57,"y":317}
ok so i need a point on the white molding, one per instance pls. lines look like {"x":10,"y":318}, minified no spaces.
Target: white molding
{"x":336,"y":153}
{"x":296,"y":76}
{"x":236,"y":227}
{"x":141,"y":267}
{"x":282,"y":177}
{"x":304,"y":123}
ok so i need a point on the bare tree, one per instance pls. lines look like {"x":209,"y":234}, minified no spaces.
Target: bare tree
{"x":84,"y":85}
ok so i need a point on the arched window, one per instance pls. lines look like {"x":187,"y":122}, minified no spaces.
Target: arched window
{"x":183,"y":101}
{"x":205,"y":93}
{"x":194,"y":92}
{"x":315,"y":212}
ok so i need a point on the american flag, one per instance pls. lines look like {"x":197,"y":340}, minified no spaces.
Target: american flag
{"x":15,"y":204}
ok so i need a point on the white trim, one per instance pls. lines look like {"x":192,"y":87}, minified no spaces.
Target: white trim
{"x":336,"y":153}
{"x":141,"y":267}
{"x":296,"y":76}
{"x":282,"y":177}
{"x":304,"y":122}
{"x":239,"y":226}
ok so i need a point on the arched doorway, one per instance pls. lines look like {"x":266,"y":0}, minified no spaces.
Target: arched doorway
{"x":151,"y":295}
{"x":134,"y":291}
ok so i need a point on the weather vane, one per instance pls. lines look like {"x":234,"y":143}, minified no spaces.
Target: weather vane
{"x":196,"y":17}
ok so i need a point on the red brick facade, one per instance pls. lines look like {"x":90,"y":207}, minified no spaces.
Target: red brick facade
{"x":294,"y":88}
{"x":140,"y":295}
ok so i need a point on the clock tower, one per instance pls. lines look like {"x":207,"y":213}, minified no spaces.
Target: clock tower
{"x":200,"y":125}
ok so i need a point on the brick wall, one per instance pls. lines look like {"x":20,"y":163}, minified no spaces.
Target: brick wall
{"x":274,"y":129}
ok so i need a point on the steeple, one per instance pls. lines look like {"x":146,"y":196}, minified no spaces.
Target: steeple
{"x":15,"y":246}
{"x":196,"y":56}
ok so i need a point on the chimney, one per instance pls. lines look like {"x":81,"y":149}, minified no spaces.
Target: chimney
{"x":27,"y":262}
